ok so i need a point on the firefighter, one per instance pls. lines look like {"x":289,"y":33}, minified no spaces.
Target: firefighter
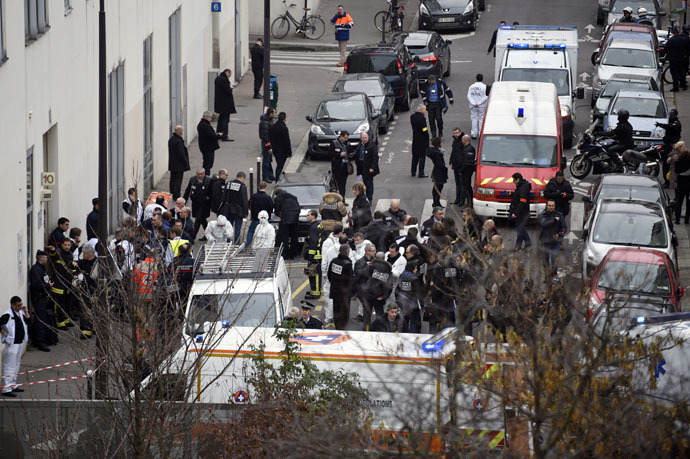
{"x":63,"y":268}
{"x":312,"y":253}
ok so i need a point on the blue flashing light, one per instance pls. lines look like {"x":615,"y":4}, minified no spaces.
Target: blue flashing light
{"x":640,"y":320}
{"x":555,"y":46}
{"x":518,"y":45}
{"x":225,"y":324}
{"x":521,"y":112}
{"x":662,"y":318}
{"x":199,"y":338}
{"x":433,"y":346}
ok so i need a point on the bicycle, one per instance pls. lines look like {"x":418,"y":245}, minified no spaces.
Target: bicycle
{"x":310,"y":26}
{"x":392,"y":18}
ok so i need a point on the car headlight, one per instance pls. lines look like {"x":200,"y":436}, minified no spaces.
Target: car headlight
{"x":485,"y":191}
{"x":469,"y":7}
{"x":423,"y":10}
{"x":316,"y":129}
{"x":364,"y":127}
{"x":565,"y":112}
{"x":658,"y":132}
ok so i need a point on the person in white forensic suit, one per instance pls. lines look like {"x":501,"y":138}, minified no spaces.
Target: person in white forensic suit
{"x":477,"y":97}
{"x":219,"y":230}
{"x":264,"y":233}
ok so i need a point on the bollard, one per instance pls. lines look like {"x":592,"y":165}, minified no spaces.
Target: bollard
{"x":258,"y":171}
{"x":251,"y":181}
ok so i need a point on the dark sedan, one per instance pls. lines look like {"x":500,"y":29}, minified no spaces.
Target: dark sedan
{"x":377,"y":88}
{"x":430,"y":52}
{"x":448,"y":14}
{"x":341,"y":111}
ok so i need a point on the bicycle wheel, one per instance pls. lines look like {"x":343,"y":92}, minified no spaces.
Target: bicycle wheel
{"x":314,"y":27}
{"x":382,"y":16}
{"x":667,"y":75}
{"x":280,"y":27}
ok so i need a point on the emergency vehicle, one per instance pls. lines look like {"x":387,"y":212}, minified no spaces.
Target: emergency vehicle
{"x":546,"y":54}
{"x":522,"y":133}
{"x":405,"y":374}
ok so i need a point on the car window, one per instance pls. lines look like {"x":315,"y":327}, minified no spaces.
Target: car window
{"x":618,"y":6}
{"x":633,"y":58}
{"x":648,"y":194}
{"x":613,"y":86}
{"x":368,"y":87}
{"x":307,"y":195}
{"x":623,"y":276}
{"x":341,"y":110}
{"x":416,"y":50}
{"x":519,"y":151}
{"x":373,"y":63}
{"x":640,"y":107}
{"x":619,"y":318}
{"x":624,"y":34}
{"x":630,"y":230}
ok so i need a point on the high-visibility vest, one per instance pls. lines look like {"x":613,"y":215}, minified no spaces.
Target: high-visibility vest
{"x":145,"y":276}
{"x":175,"y":245}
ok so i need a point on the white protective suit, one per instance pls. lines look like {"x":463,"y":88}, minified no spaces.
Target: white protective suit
{"x":330,"y":250}
{"x":219,"y":230}
{"x":264,"y":234}
{"x":476,"y":96}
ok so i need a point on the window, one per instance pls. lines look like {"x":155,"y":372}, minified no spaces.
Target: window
{"x":35,"y":19}
{"x":116,"y":144}
{"x":3,"y":52}
{"x":68,"y":7}
{"x":175,"y":68}
{"x":29,"y":202}
{"x":148,"y":117}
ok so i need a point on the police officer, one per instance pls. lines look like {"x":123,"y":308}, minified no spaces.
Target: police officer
{"x":671,"y":136}
{"x":217,"y":190}
{"x":409,"y":295}
{"x":236,"y":203}
{"x":199,"y":190}
{"x":420,"y":140}
{"x":434,"y":96}
{"x":642,"y":17}
{"x":467,"y":167}
{"x":677,"y":54}
{"x":368,"y":154}
{"x":623,"y":133}
{"x":551,"y":234}
{"x":341,"y":278}
{"x":257,"y":53}
{"x":376,"y":289}
{"x":394,"y":216}
{"x":627,"y":15}
{"x":184,"y":271}
{"x":312,"y":253}
{"x":441,"y":279}
{"x":39,"y":288}
{"x":340,"y":156}
{"x":307,"y":321}
{"x":561,"y":192}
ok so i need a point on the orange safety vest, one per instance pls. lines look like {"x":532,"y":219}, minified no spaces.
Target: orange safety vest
{"x":145,"y":276}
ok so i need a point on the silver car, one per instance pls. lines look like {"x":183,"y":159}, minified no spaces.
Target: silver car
{"x":646,"y":109}
{"x":626,"y":56}
{"x":615,"y":10}
{"x":625,"y":223}
{"x":617,"y":82}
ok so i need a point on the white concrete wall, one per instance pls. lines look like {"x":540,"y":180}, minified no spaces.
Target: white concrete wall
{"x":52,"y":85}
{"x":256,"y":17}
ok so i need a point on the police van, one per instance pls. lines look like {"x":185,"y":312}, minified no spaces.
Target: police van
{"x":237,"y":286}
{"x":406,"y":376}
{"x":522,"y":132}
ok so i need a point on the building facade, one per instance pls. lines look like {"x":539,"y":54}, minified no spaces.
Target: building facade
{"x":159,"y":56}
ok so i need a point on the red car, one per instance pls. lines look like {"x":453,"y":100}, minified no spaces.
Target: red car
{"x":643,"y":275}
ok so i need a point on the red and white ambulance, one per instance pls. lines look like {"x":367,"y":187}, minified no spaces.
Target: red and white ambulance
{"x":522,"y":132}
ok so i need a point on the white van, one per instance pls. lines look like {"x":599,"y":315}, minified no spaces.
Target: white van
{"x":238,"y":286}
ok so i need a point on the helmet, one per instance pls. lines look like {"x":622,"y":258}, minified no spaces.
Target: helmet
{"x":642,"y":11}
{"x":627,"y":9}
{"x":623,"y":115}
{"x":673,"y":112}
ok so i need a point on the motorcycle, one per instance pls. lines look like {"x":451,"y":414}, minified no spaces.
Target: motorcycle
{"x":593,"y":157}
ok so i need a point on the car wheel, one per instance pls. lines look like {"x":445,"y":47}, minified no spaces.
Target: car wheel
{"x":593,"y":102}
{"x":594,"y":57}
{"x":447,"y":72}
{"x":384,"y":129}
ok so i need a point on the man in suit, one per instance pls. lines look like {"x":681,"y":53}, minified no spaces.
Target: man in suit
{"x":257,"y":53}
{"x":420,"y":140}
{"x":208,"y":142}
{"x":280,"y":143}
{"x":224,"y":103}
{"x":178,"y":161}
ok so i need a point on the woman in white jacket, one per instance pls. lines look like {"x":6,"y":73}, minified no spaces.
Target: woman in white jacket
{"x":264,"y":234}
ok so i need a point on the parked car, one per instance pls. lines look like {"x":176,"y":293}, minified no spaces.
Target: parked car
{"x":626,"y":31}
{"x":636,"y":275}
{"x":377,"y":88}
{"x":617,"y":82}
{"x":615,"y":10}
{"x":448,"y":14}
{"x":394,"y":61}
{"x":625,"y":186}
{"x":430,"y":52}
{"x":625,"y":223}
{"x":646,"y":109}
{"x":625,"y":56}
{"x":340,"y":111}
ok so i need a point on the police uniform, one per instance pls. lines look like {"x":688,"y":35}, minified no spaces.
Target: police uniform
{"x":39,"y":288}
{"x":312,"y":250}
{"x":200,"y":193}
{"x":434,"y":95}
{"x":88,"y":288}
{"x":341,"y":278}
{"x":236,"y":205}
{"x":409,"y":296}
{"x":378,"y":285}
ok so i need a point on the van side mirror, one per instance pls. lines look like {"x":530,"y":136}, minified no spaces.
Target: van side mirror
{"x":580,"y":93}
{"x":309,"y":118}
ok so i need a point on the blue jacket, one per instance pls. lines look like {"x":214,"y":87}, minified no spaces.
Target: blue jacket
{"x":343,"y":24}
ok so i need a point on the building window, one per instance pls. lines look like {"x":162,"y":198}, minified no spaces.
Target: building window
{"x":116,"y":144}
{"x":35,"y":19}
{"x":3,"y":51}
{"x":148,"y":117}
{"x":68,"y":7}
{"x":29,"y":203}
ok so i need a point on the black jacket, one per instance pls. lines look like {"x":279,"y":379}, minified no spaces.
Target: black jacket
{"x":39,"y":286}
{"x":443,"y":92}
{"x":492,"y":43}
{"x":314,"y":241}
{"x":257,"y":53}
{"x":469,"y":160}
{"x":361,"y":212}
{"x":456,"y":158}
{"x":280,"y":140}
{"x":394,"y":219}
{"x":200,"y":193}
{"x":623,"y":133}
{"x":379,"y":234}
{"x":676,"y":48}
{"x":286,"y":206}
{"x":439,"y":173}
{"x":223,"y":100}
{"x":313,"y":324}
{"x":235,"y":200}
{"x":92,"y":224}
{"x":379,"y":282}
{"x":265,"y":124}
{"x":420,"y":134}
{"x":551,"y":223}
{"x":673,"y":130}
{"x":217,"y":191}
{"x":341,"y":277}
{"x":208,"y":139}
{"x":562,"y":193}
{"x":178,"y":157}
{"x":258,"y":202}
{"x":56,"y":237}
{"x":409,"y":294}
{"x":337,"y":165}
{"x":371,"y":160}
{"x":184,"y":269}
{"x":519,"y":201}
{"x":382,"y":324}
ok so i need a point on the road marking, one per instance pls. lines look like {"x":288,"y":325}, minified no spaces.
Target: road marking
{"x":384,"y":143}
{"x":459,"y":62}
{"x":577,"y":213}
{"x":300,"y":288}
{"x":382,"y":205}
{"x":319,"y":307}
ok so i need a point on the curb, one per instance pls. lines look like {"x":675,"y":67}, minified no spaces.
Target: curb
{"x":294,"y":164}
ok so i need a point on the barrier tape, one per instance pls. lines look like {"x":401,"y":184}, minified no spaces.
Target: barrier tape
{"x":68,"y":378}
{"x":53,"y":366}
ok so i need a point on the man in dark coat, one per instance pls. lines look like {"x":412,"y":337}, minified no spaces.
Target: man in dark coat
{"x":286,"y":206}
{"x":519,"y":210}
{"x":340,"y":155}
{"x":39,"y":290}
{"x":341,"y":278}
{"x":676,"y":49}
{"x":307,"y":321}
{"x":420,"y":140}
{"x":492,"y":43}
{"x":259,"y":201}
{"x":257,"y":53}
{"x":265,"y":123}
{"x":92,"y":220}
{"x":390,"y":322}
{"x":199,"y":190}
{"x":467,"y":168}
{"x":456,"y":161}
{"x":236,"y":203}
{"x":280,"y":143}
{"x":439,"y":174}
{"x":377,"y":288}
{"x":178,"y":161}
{"x":208,"y":141}
{"x":561,"y":192}
{"x":369,"y":154}
{"x":551,"y":234}
{"x":224,"y":103}
{"x":218,"y":190}
{"x":672,"y":131}
{"x":377,"y":232}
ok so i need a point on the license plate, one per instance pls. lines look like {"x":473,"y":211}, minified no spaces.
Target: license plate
{"x":446,"y":20}
{"x":640,"y":143}
{"x":300,"y":239}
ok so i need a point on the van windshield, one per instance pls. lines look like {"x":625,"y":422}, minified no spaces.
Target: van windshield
{"x":241,"y":310}
{"x":558,"y":77}
{"x":519,"y":151}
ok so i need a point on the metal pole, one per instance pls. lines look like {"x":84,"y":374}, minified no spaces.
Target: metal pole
{"x":267,"y":54}
{"x":251,"y":181}
{"x":258,"y":171}
{"x":101,"y":375}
